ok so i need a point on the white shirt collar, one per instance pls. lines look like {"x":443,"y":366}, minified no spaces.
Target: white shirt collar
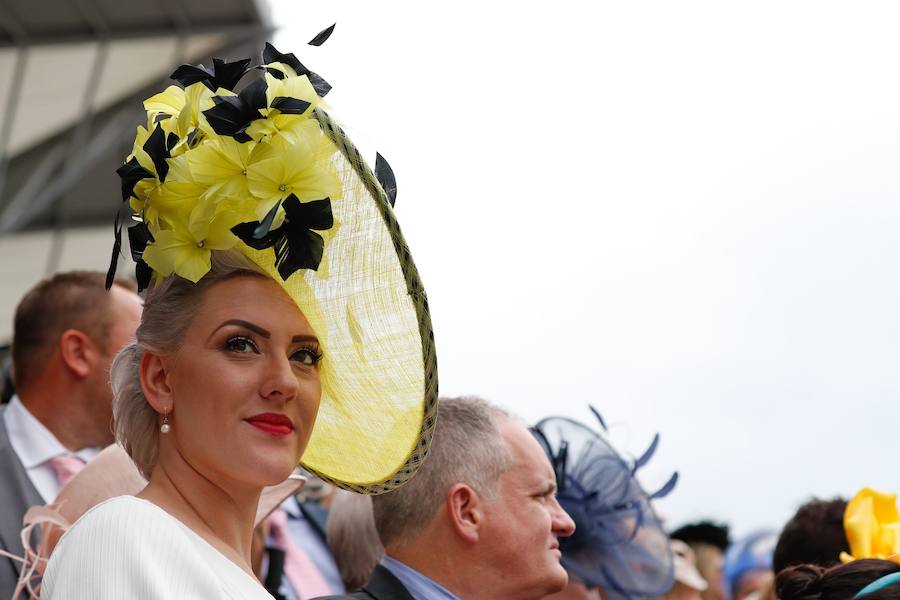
{"x":292,"y":507}
{"x":31,"y":440}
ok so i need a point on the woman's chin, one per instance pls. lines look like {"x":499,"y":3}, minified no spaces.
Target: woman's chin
{"x":265,"y":472}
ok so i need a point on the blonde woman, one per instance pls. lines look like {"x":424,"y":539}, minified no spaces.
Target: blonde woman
{"x":284,"y":324}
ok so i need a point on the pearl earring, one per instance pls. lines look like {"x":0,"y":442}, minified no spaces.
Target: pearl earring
{"x":165,"y":428}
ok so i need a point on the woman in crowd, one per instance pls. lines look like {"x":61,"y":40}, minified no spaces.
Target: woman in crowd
{"x":870,"y":521}
{"x":284,"y":319}
{"x":868,"y":578}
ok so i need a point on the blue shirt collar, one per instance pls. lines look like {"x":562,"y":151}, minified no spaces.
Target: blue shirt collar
{"x":419,"y":586}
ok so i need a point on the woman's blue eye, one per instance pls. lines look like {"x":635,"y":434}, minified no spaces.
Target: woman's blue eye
{"x":240,"y":344}
{"x":307,"y":356}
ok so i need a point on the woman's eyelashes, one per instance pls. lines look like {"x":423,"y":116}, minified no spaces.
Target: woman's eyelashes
{"x":241,"y":344}
{"x":308,"y":355}
{"x":244,"y":344}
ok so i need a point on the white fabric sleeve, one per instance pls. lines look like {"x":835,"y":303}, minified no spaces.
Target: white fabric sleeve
{"x":127,"y":550}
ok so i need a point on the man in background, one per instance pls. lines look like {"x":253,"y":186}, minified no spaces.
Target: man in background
{"x":689,"y":584}
{"x":815,"y":535}
{"x":479,"y":520}
{"x":66,"y":332}
{"x":709,"y":542}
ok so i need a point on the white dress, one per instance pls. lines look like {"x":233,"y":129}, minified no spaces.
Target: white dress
{"x":130,"y":548}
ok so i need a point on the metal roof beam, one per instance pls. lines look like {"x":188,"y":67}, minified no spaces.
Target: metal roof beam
{"x":89,"y":35}
{"x":53,"y":181}
{"x":9,"y":118}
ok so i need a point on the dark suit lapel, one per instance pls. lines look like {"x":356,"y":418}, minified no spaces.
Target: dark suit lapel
{"x":384,"y":586}
{"x":315,"y":515}
{"x":17,"y":494}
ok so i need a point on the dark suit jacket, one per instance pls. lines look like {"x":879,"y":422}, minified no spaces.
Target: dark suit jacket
{"x":382,"y":585}
{"x":17,"y":494}
{"x":316,"y":514}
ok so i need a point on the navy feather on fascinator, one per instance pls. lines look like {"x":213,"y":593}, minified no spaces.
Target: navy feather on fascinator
{"x":619,"y":543}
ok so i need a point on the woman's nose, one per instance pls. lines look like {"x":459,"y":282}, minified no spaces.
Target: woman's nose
{"x":279,"y":379}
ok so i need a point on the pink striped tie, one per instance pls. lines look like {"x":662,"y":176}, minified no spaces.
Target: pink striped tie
{"x":66,"y":466}
{"x":299,"y":568}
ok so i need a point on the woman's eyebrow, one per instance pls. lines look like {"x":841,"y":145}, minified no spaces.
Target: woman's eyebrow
{"x":264,"y":333}
{"x":254,"y":328}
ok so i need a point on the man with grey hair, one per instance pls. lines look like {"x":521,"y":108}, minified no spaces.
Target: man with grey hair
{"x":479,"y":520}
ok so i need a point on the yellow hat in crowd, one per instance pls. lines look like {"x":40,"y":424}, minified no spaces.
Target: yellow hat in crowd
{"x":263,"y":168}
{"x":872,"y":526}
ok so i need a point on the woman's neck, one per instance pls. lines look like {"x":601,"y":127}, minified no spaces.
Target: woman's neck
{"x":217,"y":510}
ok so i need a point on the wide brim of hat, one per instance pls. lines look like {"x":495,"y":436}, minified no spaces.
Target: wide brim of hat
{"x":368,"y":308}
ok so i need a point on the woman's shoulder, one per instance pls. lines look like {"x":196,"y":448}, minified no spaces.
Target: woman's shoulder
{"x":125,"y":508}
{"x":128,"y":547}
{"x":123,"y":518}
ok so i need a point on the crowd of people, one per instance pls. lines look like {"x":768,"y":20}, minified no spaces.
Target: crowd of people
{"x":263,"y":421}
{"x":485,"y":515}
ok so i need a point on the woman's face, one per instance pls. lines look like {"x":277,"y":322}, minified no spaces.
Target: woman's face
{"x":245,"y":383}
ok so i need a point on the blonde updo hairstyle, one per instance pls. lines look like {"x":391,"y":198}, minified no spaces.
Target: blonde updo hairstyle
{"x":169,"y":309}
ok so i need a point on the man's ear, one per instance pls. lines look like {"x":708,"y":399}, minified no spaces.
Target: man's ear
{"x":465,"y":511}
{"x":155,"y":382}
{"x":78,"y":352}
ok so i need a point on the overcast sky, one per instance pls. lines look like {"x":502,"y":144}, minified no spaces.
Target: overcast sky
{"x":684,"y":213}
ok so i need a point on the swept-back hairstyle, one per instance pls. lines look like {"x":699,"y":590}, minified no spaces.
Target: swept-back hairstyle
{"x":843,"y":582}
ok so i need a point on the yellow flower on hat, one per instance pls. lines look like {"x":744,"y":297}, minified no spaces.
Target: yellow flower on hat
{"x":279,"y":125}
{"x":153,"y":199}
{"x":169,"y":204}
{"x":872,"y":526}
{"x":303,"y":168}
{"x":185,"y":248}
{"x":284,"y":68}
{"x":298,"y":87}
{"x":170,"y":101}
{"x":143,"y":187}
{"x":220,"y":166}
{"x":185,"y":109}
{"x":138,"y":152}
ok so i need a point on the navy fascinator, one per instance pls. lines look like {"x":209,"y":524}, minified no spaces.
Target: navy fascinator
{"x":619,"y":543}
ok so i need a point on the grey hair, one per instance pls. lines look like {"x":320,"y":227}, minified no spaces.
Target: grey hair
{"x":169,"y":309}
{"x":352,"y":538}
{"x":467,"y":448}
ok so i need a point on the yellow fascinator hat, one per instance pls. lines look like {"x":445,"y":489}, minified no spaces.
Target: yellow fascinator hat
{"x":872,"y":526}
{"x":263,"y":168}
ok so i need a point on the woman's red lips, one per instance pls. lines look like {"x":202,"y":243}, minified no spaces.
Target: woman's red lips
{"x":273,"y":423}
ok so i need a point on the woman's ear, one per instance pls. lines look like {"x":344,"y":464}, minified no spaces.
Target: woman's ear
{"x":155,"y":383}
{"x":465,"y":512}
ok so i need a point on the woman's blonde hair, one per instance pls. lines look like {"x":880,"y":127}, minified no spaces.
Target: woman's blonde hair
{"x":169,"y":309}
